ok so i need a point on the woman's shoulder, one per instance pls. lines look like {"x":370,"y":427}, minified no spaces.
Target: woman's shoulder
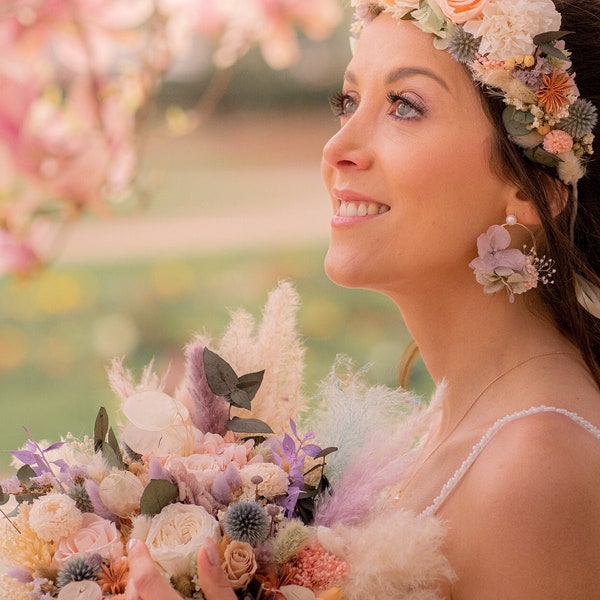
{"x":533,"y":500}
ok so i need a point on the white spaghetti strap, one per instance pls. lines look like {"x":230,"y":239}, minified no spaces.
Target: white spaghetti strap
{"x":484,"y":441}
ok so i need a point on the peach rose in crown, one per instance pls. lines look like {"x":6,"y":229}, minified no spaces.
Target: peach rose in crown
{"x":95,"y":536}
{"x":460,"y":11}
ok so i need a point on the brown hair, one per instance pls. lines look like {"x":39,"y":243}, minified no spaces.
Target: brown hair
{"x":580,"y":254}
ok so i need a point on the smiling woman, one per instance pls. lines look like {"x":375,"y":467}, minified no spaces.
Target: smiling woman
{"x":463,"y":132}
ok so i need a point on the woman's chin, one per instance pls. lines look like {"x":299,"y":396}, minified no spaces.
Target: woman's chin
{"x":347,"y":271}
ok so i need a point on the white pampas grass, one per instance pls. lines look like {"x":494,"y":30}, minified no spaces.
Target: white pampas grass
{"x":123,"y":382}
{"x":273,"y":345}
{"x":569,"y":168}
{"x":397,"y":554}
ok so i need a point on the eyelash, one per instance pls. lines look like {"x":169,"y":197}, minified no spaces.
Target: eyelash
{"x":337,"y":102}
{"x":416,"y":105}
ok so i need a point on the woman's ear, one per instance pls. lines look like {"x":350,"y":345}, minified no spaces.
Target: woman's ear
{"x":525,"y":209}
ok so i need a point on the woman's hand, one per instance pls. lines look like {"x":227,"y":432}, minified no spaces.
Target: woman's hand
{"x":146,"y":583}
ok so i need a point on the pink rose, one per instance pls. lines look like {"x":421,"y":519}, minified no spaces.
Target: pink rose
{"x":95,"y":536}
{"x":459,"y":11}
{"x":239,"y":564}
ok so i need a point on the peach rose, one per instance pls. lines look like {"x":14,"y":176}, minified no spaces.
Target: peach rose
{"x":95,"y":536}
{"x":239,"y":564}
{"x":460,"y":11}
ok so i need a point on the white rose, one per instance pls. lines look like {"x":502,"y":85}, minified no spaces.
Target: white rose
{"x":158,"y":425}
{"x":177,"y":533}
{"x":121,"y":493}
{"x":275,"y":480}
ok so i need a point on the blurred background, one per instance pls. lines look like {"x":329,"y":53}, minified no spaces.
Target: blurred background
{"x":228,"y":201}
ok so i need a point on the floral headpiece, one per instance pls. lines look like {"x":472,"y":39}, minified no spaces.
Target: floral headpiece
{"x":515,"y":48}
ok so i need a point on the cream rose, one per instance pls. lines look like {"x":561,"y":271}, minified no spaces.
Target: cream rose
{"x":121,"y":493}
{"x":460,"y":11}
{"x":239,"y":564}
{"x":95,"y":536}
{"x":54,"y":516}
{"x":177,"y":533}
{"x":275,"y":481}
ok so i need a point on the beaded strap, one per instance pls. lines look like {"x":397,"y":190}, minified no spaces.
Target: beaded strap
{"x":484,"y":441}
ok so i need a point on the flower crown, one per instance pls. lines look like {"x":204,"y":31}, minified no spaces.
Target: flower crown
{"x":514,"y":47}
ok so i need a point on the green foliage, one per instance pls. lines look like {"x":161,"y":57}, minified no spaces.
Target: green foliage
{"x":157,"y":494}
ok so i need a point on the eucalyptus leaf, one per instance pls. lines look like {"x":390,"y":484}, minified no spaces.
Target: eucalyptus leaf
{"x":551,"y":50}
{"x":114,"y":444}
{"x":239,"y":425}
{"x":549,"y":36}
{"x":108,"y":454}
{"x":4,"y":498}
{"x":540,"y":156}
{"x":24,"y":474}
{"x":221,"y":378}
{"x":326,"y":452}
{"x":515,"y":121}
{"x":296,"y":592}
{"x":100,"y":428}
{"x":250,"y":383}
{"x":157,"y":494}
{"x":240,"y":399}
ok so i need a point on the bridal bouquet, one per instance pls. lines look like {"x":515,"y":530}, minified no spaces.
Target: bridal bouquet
{"x":201,"y":462}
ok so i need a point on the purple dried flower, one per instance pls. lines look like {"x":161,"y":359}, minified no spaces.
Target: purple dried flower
{"x":209,"y":413}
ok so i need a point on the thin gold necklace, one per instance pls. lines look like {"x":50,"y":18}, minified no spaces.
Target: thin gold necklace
{"x":469,"y":408}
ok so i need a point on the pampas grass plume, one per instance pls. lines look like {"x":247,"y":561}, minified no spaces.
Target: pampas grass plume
{"x":273,"y":345}
{"x":413,"y":570}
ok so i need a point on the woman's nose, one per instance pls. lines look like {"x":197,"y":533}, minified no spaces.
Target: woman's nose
{"x":349,"y":147}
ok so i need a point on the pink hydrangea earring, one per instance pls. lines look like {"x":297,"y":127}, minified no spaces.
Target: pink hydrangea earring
{"x":499,"y":267}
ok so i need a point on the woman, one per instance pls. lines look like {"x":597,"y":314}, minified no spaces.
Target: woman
{"x":427,"y":167}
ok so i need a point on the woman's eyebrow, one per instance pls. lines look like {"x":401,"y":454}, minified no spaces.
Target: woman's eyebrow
{"x":403,"y":73}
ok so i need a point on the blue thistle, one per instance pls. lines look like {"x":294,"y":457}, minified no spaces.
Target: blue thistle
{"x":79,"y":569}
{"x":581,"y":120}
{"x":463,"y":46}
{"x":246,"y":522}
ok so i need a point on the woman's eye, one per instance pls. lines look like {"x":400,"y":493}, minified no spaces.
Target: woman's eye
{"x":342,"y":104}
{"x":404,"y":107}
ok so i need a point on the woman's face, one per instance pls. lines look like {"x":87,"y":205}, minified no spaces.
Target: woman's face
{"x":413,"y":153}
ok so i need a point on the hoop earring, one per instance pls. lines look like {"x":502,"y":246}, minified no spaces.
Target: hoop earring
{"x":499,"y":267}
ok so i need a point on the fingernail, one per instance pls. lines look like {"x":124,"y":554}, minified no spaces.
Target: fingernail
{"x":212,"y":552}
{"x":131,"y":543}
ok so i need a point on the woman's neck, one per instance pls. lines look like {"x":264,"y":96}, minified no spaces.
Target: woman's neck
{"x":468,"y":340}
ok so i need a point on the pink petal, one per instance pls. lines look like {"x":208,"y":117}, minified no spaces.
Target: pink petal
{"x":498,"y":236}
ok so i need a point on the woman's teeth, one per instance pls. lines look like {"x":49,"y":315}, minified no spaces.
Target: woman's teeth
{"x":361,"y":209}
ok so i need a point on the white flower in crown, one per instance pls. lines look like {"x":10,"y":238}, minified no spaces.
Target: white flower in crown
{"x":507,"y":27}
